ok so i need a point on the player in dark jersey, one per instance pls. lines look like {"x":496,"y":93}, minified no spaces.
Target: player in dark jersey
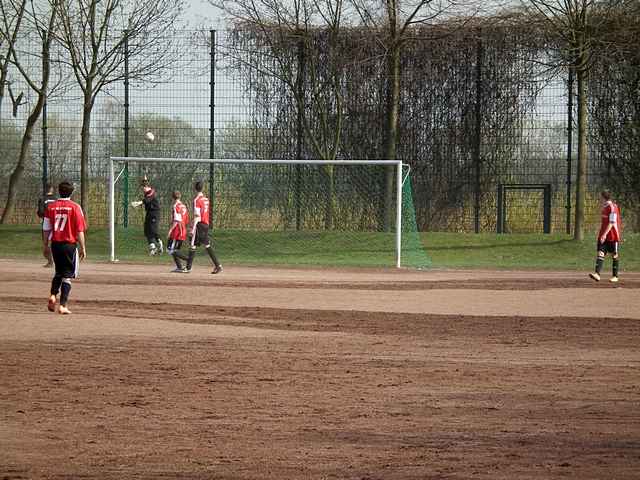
{"x":62,"y":230}
{"x":200,"y":231}
{"x":151,"y":217}
{"x":46,"y":199}
{"x":609,"y":236}
{"x":43,"y":201}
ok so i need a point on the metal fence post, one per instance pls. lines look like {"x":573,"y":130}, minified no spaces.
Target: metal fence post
{"x":569,"y":149}
{"x":547,"y":209}
{"x":45,"y":150}
{"x":500,"y":201}
{"x":125,"y":196}
{"x":299,"y":131}
{"x":478,"y":137}
{"x":212,"y":130}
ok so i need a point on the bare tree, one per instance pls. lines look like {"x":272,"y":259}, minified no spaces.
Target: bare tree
{"x":95,"y":32}
{"x":12,"y":15}
{"x":42,"y":24}
{"x":393,"y":19}
{"x":302,"y":27}
{"x":615,"y":111}
{"x":578,"y":35}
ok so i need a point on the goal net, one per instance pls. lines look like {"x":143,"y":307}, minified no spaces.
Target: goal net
{"x":290,"y":212}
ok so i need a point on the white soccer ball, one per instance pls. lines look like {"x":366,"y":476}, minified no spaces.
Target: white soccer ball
{"x":150,"y":136}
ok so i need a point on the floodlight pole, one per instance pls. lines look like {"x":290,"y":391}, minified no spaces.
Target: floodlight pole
{"x":112,"y":216}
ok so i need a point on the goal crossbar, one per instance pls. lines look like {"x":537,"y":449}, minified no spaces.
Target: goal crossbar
{"x":113,"y":179}
{"x":254,"y":161}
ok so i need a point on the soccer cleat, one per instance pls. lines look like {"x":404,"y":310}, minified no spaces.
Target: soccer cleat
{"x":595,"y":276}
{"x":160,"y":246}
{"x":186,"y":270}
{"x":179,"y":270}
{"x":63,"y":310}
{"x":614,"y":280}
{"x":216,"y":270}
{"x":51,"y":304}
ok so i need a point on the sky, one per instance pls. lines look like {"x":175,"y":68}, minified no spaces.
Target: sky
{"x":202,"y":13}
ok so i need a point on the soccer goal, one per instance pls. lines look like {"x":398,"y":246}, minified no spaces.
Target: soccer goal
{"x":529,"y":203}
{"x":295,"y":212}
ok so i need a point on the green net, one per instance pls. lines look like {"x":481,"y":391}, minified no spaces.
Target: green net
{"x":279,"y":214}
{"x":414,"y":254}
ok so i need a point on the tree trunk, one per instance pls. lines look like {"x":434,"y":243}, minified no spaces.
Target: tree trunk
{"x":391,"y":132}
{"x":84,"y":151}
{"x":4,"y":69}
{"x":4,"y":72}
{"x":3,"y":82}
{"x":581,"y":181}
{"x":299,"y":92}
{"x":25,"y":148}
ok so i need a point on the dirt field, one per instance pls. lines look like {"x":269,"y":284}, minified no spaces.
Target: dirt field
{"x":319,"y":374}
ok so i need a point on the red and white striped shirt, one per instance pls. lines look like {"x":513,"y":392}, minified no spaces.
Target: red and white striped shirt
{"x":180,"y":218}
{"x":201,"y":209}
{"x":610,"y":215}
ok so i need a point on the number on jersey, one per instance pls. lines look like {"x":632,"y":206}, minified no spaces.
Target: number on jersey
{"x":60,"y":222}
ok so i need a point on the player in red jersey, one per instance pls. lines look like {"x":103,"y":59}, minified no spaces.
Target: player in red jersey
{"x":178,"y":230}
{"x":200,"y":230}
{"x":64,"y":227}
{"x":609,"y":236}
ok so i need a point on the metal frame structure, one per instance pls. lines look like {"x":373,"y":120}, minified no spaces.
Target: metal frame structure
{"x":113,"y":179}
{"x":503,"y":188}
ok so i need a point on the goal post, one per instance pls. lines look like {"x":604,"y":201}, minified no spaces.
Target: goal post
{"x":190,"y":165}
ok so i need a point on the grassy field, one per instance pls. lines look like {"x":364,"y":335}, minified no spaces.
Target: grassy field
{"x":446,"y":250}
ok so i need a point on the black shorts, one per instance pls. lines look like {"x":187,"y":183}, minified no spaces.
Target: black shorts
{"x":65,"y":258}
{"x":151,"y":227}
{"x":174,"y":245}
{"x":202,"y":236}
{"x":608,"y":247}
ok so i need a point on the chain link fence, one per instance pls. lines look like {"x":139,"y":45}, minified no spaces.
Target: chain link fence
{"x":477,"y":111}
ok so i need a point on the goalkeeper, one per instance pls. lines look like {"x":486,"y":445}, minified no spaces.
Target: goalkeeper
{"x":151,"y":218}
